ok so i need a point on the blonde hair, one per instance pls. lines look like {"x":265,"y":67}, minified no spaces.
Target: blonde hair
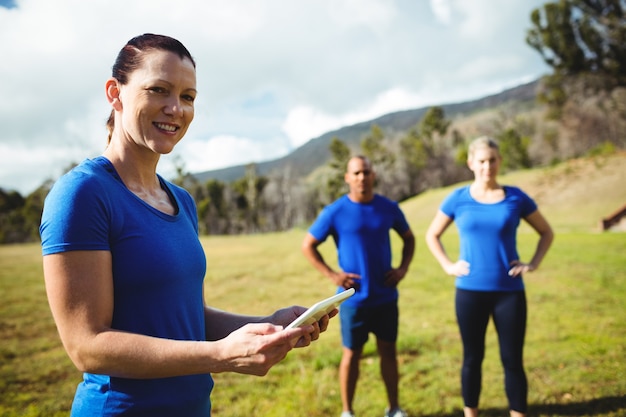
{"x":482,"y":142}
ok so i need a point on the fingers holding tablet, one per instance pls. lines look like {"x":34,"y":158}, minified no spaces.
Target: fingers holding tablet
{"x":320,"y":309}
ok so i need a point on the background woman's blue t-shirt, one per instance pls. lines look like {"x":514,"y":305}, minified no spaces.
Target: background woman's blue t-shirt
{"x":488,"y":237}
{"x":158,"y":272}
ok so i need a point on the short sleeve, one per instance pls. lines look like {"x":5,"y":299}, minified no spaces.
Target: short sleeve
{"x":75,"y":215}
{"x":449,"y":204}
{"x":322,"y":226}
{"x":527,"y":204}
{"x":400,"y":224}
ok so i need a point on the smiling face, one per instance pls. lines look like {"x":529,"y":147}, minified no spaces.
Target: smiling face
{"x":156,"y":106}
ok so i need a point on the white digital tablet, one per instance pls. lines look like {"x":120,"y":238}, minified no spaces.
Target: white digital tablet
{"x":321,"y":308}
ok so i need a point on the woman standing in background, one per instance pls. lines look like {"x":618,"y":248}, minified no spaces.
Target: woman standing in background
{"x":489,"y":272}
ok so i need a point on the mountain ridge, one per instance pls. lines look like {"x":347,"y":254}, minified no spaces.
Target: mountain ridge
{"x":306,"y":158}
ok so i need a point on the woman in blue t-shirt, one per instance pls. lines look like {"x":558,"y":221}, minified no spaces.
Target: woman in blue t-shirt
{"x":124,"y":268}
{"x":489,"y":272}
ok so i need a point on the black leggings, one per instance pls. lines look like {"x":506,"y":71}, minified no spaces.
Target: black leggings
{"x":508,"y":308}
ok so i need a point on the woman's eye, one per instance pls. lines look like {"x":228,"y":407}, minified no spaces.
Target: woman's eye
{"x":189,"y":98}
{"x":159,"y":90}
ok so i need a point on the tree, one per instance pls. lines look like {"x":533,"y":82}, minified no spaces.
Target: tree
{"x":434,"y":126}
{"x":582,"y":36}
{"x":282,"y":200}
{"x":374,"y":149}
{"x":248,"y":198}
{"x":584,"y":41}
{"x":212,"y":208}
{"x":433,"y":130}
{"x":514,"y":149}
{"x":554,"y":37}
{"x":413,"y":158}
{"x":381,"y":157}
{"x":11,"y":221}
{"x":340,"y":154}
{"x":579,"y":38}
{"x":20,"y":216}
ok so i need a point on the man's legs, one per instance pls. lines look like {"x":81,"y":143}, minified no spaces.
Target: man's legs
{"x":389,"y":370}
{"x":385,"y":327}
{"x":349,"y":375}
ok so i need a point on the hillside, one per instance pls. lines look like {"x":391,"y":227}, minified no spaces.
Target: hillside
{"x":314,"y":153}
{"x":574,"y":195}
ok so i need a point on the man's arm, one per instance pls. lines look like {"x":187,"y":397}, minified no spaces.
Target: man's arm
{"x":408,"y":250}
{"x":309,"y":249}
{"x":393,"y":277}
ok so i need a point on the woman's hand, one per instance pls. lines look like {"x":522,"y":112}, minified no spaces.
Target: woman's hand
{"x":458,"y":269}
{"x":256,"y":347}
{"x":518,"y":268}
{"x":285,"y":316}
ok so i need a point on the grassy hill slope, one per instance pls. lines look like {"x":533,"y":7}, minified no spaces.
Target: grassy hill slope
{"x":574,"y":195}
{"x":576,"y":341}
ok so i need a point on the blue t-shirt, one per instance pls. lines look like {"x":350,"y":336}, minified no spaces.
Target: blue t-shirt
{"x":488,"y":237}
{"x":158,"y":272}
{"x":361,"y":234}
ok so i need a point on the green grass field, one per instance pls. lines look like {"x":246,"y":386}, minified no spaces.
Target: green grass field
{"x":576,"y":339}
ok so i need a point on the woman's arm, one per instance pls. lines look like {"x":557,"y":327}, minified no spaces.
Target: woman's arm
{"x":433,"y":240}
{"x":546,"y":237}
{"x":80,"y":293}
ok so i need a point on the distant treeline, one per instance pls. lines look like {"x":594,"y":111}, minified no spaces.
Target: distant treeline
{"x":430,"y":155}
{"x":581,"y":109}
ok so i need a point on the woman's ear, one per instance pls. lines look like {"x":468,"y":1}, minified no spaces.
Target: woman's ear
{"x":112,"y":89}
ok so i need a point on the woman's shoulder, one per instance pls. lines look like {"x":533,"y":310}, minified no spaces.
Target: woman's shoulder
{"x":525,"y":201}
{"x":458,"y":197}
{"x":512,"y":190}
{"x":88,"y":176}
{"x":459,"y":192}
{"x":461,"y":189}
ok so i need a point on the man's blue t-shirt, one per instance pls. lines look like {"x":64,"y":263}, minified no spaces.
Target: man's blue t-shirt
{"x":488,"y":237}
{"x":158,"y":272}
{"x":361,"y":234}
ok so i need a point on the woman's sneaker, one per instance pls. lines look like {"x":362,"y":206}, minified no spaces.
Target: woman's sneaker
{"x":396,"y":412}
{"x":347,"y":414}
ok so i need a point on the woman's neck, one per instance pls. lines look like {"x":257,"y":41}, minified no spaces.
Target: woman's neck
{"x":137,"y":171}
{"x":490,"y":192}
{"x":485,"y":186}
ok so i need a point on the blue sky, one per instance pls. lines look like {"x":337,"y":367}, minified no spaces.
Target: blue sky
{"x":272,"y":74}
{"x":7,"y":4}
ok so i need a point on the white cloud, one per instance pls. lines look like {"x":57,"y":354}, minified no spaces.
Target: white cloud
{"x":442,"y":10}
{"x":375,"y":14}
{"x":219,"y":151}
{"x":305,"y":122}
{"x":271,"y":74}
